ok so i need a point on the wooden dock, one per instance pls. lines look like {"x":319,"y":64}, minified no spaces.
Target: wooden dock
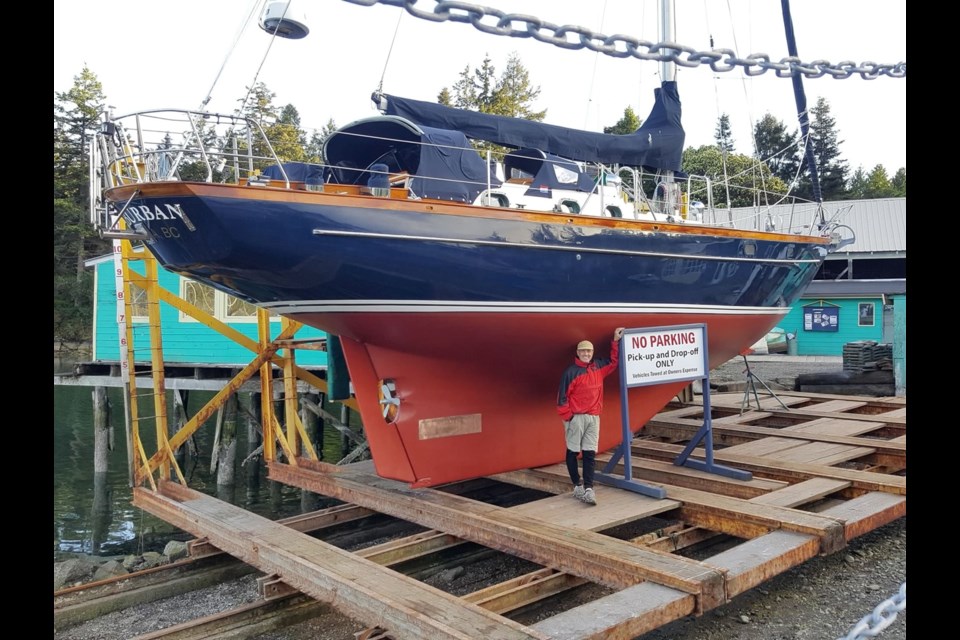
{"x":825,"y":470}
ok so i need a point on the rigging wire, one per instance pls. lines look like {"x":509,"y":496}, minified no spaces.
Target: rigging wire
{"x":236,"y":39}
{"x":593,"y":77}
{"x":750,"y":118}
{"x":273,"y":38}
{"x":386,"y":62}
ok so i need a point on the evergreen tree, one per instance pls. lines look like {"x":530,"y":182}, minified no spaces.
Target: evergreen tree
{"x":511,"y":95}
{"x":286,"y":136}
{"x":629,"y":123}
{"x":857,"y":187}
{"x":445,"y":98}
{"x":314,"y":150}
{"x":776,"y":147}
{"x":723,"y":135}
{"x":831,"y":168}
{"x":899,"y":183}
{"x":878,"y":183}
{"x":748,"y":180}
{"x":76,"y":118}
{"x":281,"y":126}
{"x":514,"y":94}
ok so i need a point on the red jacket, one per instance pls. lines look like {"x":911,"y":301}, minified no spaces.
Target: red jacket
{"x":581,"y":387}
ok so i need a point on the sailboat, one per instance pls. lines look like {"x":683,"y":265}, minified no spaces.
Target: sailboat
{"x":456,"y":286}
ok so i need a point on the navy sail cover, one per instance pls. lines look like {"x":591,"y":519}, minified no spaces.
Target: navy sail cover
{"x":657,"y":144}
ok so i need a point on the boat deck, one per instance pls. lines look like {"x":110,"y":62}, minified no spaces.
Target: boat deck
{"x":824,"y":471}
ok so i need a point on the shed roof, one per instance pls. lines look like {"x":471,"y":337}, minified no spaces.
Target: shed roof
{"x":855,"y":288}
{"x":880,"y":225}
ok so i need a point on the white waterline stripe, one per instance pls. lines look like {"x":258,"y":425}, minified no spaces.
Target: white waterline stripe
{"x":451,"y":306}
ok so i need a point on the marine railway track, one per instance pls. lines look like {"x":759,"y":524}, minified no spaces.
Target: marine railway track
{"x":825,"y":470}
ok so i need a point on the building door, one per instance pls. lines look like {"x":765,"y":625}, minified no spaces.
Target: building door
{"x":886,"y":336}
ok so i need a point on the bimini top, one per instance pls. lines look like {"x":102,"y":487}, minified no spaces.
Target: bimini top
{"x":657,"y":144}
{"x":444,"y":163}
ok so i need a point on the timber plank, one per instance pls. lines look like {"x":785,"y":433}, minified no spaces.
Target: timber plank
{"x":363,"y":589}
{"x":746,"y":519}
{"x":780,"y":469}
{"x":654,"y":471}
{"x":883,"y":402}
{"x":767,"y":447}
{"x":802,"y":492}
{"x":735,"y":401}
{"x":837,"y":427}
{"x":619,"y":616}
{"x":736,"y":434}
{"x":837,"y":406}
{"x":762,"y":558}
{"x":800,"y":406}
{"x":739,"y":418}
{"x":867,"y":512}
{"x":613,"y":508}
{"x":824,"y":453}
{"x":608,"y":561}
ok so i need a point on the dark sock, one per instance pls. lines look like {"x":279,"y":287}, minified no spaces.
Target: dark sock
{"x":589,"y":460}
{"x":572,"y":467}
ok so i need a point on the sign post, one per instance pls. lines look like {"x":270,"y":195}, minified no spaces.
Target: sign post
{"x":658,"y":355}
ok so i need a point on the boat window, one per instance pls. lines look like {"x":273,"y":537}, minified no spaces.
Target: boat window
{"x":614,"y":212}
{"x":569,"y":206}
{"x":497,"y":200}
{"x":520,"y":174}
{"x":564,"y":175}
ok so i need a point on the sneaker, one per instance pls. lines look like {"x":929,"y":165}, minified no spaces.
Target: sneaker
{"x":578,"y":492}
{"x":589,"y":496}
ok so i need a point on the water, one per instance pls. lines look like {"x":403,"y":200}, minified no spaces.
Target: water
{"x":93,"y":514}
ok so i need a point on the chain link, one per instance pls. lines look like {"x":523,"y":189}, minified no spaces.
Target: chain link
{"x":876,"y":621}
{"x":494,"y":21}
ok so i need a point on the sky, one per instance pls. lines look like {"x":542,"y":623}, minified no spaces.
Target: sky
{"x":178,"y":53}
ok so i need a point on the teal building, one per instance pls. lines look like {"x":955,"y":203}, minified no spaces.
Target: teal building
{"x":186,"y":340}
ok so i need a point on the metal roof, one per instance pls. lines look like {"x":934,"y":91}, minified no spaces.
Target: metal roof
{"x":855,"y":288}
{"x":880,"y":225}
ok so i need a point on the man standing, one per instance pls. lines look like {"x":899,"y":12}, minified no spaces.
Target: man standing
{"x":579,"y":404}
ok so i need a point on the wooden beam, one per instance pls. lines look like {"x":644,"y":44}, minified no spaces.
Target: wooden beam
{"x":685,"y":429}
{"x":358,"y":587}
{"x":607,"y":561}
{"x":779,"y":469}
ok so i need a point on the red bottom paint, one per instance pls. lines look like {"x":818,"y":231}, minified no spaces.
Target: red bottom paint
{"x":496,"y":378}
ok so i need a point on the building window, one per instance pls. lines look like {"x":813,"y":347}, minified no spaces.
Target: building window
{"x":865,"y":314}
{"x":138,"y":304}
{"x":220,"y":305}
{"x":200,"y":296}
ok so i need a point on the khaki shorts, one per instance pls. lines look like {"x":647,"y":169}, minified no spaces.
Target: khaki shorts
{"x":582,"y":432}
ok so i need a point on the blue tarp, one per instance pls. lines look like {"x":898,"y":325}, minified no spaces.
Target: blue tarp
{"x":296,"y":172}
{"x":444,"y":162}
{"x":657,"y":144}
{"x":548,"y":171}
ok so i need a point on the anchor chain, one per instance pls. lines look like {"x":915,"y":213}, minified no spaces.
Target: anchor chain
{"x":494,"y":21}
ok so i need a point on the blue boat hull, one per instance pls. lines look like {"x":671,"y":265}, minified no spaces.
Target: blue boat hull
{"x":471,"y":312}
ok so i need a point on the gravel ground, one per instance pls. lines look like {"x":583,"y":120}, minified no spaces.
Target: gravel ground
{"x":823,"y":599}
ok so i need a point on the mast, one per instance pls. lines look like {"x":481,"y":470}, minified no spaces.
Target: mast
{"x":801,"y":98}
{"x":670,"y":195}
